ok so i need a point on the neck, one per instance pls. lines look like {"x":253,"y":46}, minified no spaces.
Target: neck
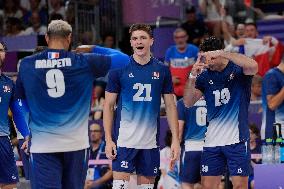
{"x":223,"y":65}
{"x":56,"y":44}
{"x":181,"y":49}
{"x":142,"y":59}
{"x":96,"y":144}
{"x":281,"y":66}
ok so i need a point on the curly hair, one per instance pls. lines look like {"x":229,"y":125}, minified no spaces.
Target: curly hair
{"x":211,"y":43}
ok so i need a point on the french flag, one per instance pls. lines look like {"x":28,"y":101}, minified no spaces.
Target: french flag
{"x":262,"y":54}
{"x":52,"y":55}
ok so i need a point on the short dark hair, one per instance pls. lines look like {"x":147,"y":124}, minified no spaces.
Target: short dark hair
{"x":251,"y":24}
{"x":254,"y":129}
{"x":4,"y":45}
{"x":211,"y":43}
{"x":143,"y":27}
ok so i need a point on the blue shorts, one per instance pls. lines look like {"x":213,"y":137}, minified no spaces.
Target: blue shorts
{"x":8,"y":168}
{"x":63,"y":170}
{"x":190,"y":167}
{"x":236,"y":156}
{"x":25,"y":160}
{"x":145,"y":162}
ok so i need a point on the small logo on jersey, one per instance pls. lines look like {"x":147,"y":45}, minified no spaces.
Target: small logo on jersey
{"x":211,"y":82}
{"x":14,"y":177}
{"x":52,"y":55}
{"x":6,"y":88}
{"x":204,"y":168}
{"x":130,"y":75}
{"x":232,"y":76}
{"x":156,"y":75}
{"x":240,"y":170}
{"x":155,"y":170}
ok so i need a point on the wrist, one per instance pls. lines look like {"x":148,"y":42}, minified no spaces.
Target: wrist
{"x":192,"y":75}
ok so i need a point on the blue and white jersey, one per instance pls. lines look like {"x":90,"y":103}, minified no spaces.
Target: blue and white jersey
{"x":6,"y":95}
{"x":139,"y":89}
{"x":227,"y":96}
{"x":194,"y":118}
{"x":275,"y":77}
{"x":57,"y":86}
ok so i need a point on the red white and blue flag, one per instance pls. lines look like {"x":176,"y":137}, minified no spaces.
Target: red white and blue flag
{"x":52,"y":55}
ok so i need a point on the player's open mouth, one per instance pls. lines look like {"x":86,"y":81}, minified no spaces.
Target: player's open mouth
{"x":140,"y":48}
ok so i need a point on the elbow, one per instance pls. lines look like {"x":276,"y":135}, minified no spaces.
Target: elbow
{"x":255,"y":67}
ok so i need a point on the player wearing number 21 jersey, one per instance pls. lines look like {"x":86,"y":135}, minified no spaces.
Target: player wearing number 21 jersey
{"x":57,"y":86}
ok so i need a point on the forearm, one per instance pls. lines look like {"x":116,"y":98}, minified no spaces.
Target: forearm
{"x":172,"y":120}
{"x":180,"y":130}
{"x":190,"y":95}
{"x":108,"y":113}
{"x":275,"y":100}
{"x":249,"y":65}
{"x":19,"y":112}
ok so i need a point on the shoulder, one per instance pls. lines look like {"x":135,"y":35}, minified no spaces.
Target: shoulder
{"x":192,"y":47}
{"x":171,"y":49}
{"x":6,"y":79}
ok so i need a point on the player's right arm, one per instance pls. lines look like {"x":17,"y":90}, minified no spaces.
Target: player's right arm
{"x":112,"y":91}
{"x":108,"y":112}
{"x":192,"y":94}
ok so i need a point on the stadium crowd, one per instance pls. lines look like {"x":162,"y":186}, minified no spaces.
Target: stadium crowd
{"x":233,"y":23}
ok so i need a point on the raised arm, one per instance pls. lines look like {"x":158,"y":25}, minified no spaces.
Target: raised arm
{"x":250,"y":66}
{"x":191,"y":94}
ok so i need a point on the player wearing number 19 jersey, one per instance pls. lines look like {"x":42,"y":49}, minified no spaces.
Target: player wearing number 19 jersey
{"x":57,"y":85}
{"x":225,"y":81}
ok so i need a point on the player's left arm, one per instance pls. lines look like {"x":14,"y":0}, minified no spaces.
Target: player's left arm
{"x":249,"y":66}
{"x":275,"y":100}
{"x":172,"y":117}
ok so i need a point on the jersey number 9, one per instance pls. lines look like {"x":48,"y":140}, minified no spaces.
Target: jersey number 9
{"x":55,"y":83}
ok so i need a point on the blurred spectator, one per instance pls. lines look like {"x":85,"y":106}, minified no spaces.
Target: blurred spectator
{"x":35,"y":7}
{"x":14,"y":27}
{"x":211,"y":10}
{"x":109,"y":41}
{"x":255,"y":148}
{"x":55,"y":16}
{"x":26,"y":4}
{"x":180,"y":58}
{"x":101,"y":175}
{"x":36,"y":28}
{"x":56,"y":7}
{"x":98,"y":99}
{"x":195,"y":29}
{"x":70,"y":13}
{"x":12,"y":9}
{"x":256,"y":88}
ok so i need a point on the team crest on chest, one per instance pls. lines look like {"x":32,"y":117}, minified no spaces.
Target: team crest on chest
{"x":6,"y":88}
{"x":155,"y":75}
{"x":232,"y":76}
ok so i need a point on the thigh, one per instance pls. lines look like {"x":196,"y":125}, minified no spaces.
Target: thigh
{"x":46,"y":170}
{"x":148,"y":162}
{"x":125,"y":160}
{"x":75,"y":169}
{"x":238,"y":158}
{"x":213,"y":161}
{"x":190,"y":167}
{"x":9,"y":172}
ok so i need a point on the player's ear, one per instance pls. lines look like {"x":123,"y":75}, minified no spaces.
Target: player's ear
{"x":46,"y":38}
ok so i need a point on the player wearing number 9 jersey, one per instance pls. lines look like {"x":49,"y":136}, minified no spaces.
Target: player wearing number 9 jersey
{"x":138,"y":88}
{"x":225,"y":81}
{"x":57,"y":86}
